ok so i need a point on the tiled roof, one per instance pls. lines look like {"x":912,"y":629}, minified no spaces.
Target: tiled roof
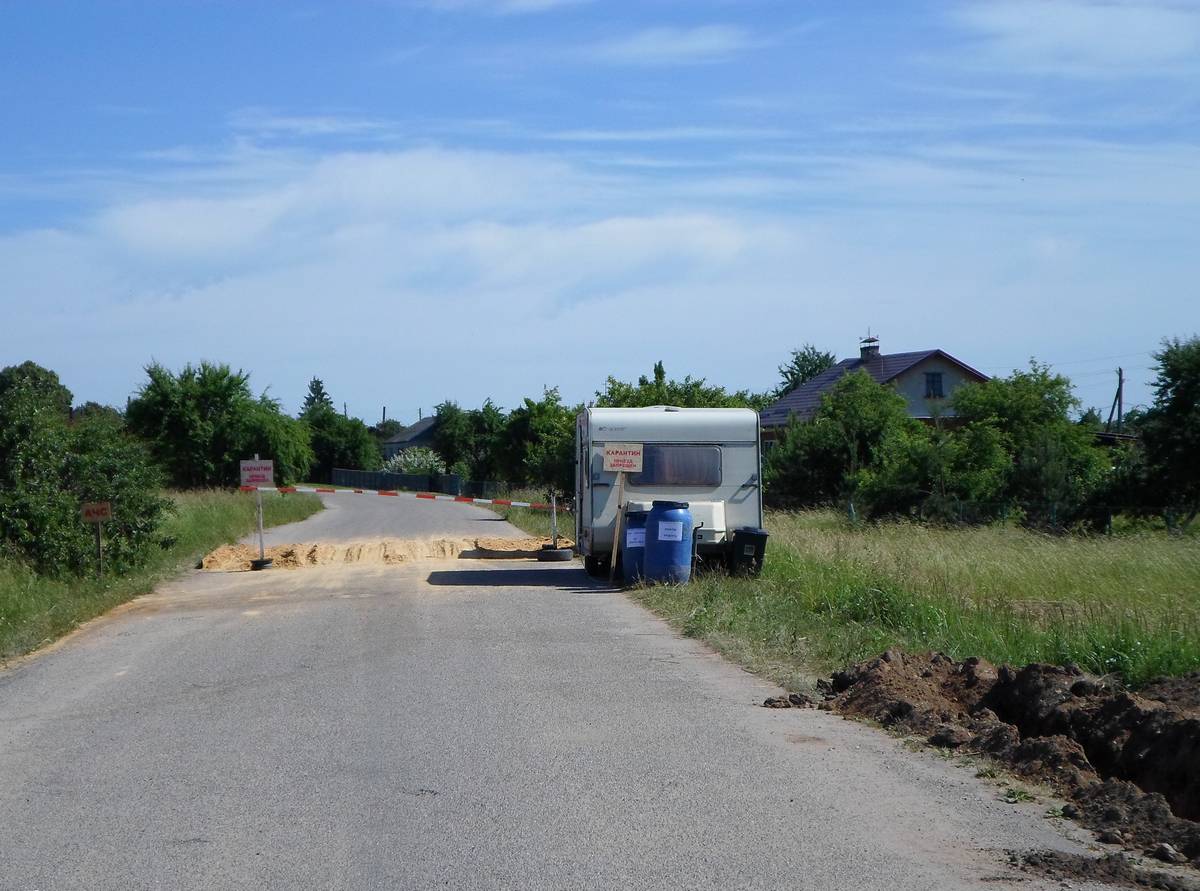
{"x":412,"y":431}
{"x":806,"y":398}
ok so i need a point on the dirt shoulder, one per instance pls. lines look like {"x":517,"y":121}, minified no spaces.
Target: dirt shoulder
{"x":1128,"y":762}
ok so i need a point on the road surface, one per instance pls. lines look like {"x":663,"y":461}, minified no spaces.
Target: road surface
{"x":460,"y":724}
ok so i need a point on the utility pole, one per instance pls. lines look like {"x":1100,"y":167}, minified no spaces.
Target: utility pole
{"x":1120,"y":399}
{"x":1118,"y":404}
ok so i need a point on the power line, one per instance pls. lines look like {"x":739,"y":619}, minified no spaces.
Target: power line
{"x":1077,"y":361}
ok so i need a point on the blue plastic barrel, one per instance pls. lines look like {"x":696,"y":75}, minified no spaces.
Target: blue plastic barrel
{"x":669,"y":542}
{"x":633,"y":548}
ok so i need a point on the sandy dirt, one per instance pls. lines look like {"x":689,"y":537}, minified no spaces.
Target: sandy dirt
{"x":377,"y":552}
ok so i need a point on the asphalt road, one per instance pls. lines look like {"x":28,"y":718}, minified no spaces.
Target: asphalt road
{"x":350,"y":517}
{"x":459,"y":724}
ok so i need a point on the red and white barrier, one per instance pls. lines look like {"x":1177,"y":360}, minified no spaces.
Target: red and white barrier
{"x":426,"y":496}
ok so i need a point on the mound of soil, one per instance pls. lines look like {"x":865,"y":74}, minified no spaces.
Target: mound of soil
{"x":384,"y":552}
{"x":1129,"y":761}
{"x":514,"y":548}
{"x":1111,"y":869}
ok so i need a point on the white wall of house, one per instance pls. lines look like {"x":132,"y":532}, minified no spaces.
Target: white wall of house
{"x":912,"y":386}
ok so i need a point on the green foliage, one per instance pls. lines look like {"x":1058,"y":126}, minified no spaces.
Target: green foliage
{"x":35,"y":609}
{"x":317,"y":399}
{"x":385,"y":430}
{"x":823,"y":459}
{"x":452,"y":438}
{"x":930,"y":473}
{"x":338,"y":441}
{"x":540,"y":440}
{"x":1055,"y":468}
{"x":42,"y":383}
{"x":201,"y":422}
{"x":1012,"y":448}
{"x":803,"y":365}
{"x":688,"y":393}
{"x":833,"y":592}
{"x":417,"y":459}
{"x":49,"y":467}
{"x":1170,"y":431}
{"x":472,"y":440}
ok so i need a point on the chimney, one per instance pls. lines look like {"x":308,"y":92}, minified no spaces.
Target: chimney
{"x":868,"y":348}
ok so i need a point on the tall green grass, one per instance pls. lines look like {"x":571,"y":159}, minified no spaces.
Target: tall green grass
{"x":831,"y":594}
{"x":535,"y":522}
{"x":35,"y":610}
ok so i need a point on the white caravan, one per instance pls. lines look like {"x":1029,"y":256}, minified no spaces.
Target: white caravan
{"x":708,"y":457}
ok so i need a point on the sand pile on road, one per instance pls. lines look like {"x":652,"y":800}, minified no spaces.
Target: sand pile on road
{"x":376,"y":552}
{"x":517,"y":546}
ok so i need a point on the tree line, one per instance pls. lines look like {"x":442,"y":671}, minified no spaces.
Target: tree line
{"x":1011,"y":447}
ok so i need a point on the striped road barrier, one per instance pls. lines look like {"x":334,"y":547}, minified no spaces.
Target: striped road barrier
{"x":425,"y":496}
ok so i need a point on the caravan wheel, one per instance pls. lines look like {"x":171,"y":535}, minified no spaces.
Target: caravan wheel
{"x":596,"y":565}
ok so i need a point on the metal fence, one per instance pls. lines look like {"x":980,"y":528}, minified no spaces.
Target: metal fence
{"x":444,"y":483}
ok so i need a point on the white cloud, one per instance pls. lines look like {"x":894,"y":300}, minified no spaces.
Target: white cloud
{"x":425,"y":274}
{"x":1092,"y":38}
{"x":262,"y":122}
{"x":674,"y":46}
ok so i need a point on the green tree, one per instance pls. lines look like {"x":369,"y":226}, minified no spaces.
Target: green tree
{"x":317,"y":398}
{"x":539,"y":443}
{"x":385,"y":430}
{"x":1055,"y":469}
{"x":822,"y":460}
{"x":48,"y":467}
{"x":42,"y":384}
{"x":201,"y":422}
{"x":1170,"y":432}
{"x":338,"y":441}
{"x":803,"y":365}
{"x":487,"y":427}
{"x":687,"y":393}
{"x":452,"y":435}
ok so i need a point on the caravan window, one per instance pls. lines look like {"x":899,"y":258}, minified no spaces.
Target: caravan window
{"x":679,"y":465}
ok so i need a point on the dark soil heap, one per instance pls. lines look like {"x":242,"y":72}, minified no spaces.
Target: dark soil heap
{"x":1129,"y":761}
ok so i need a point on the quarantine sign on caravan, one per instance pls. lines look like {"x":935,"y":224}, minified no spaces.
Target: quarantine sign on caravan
{"x":625,"y":457}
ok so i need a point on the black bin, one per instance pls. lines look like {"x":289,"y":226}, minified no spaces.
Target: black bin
{"x":749,"y":548}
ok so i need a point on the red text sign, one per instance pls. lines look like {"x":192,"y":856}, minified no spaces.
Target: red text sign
{"x":623,"y":456}
{"x":96,"y":511}
{"x":258,"y":473}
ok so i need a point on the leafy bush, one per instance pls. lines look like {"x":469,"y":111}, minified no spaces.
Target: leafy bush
{"x":338,"y":441}
{"x":49,"y":467}
{"x":201,"y":422}
{"x":417,"y":459}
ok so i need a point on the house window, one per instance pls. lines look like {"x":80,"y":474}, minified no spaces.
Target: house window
{"x":679,"y":465}
{"x":933,"y":385}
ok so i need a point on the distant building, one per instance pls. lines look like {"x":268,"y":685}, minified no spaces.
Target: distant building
{"x":418,"y":434}
{"x":926,"y":379}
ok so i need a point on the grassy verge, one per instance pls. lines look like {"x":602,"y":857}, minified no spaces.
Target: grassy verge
{"x":35,"y":610}
{"x":831,"y":594}
{"x":535,"y":522}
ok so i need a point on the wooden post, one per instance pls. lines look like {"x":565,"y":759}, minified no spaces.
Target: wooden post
{"x":100,"y":547}
{"x":554,"y":519}
{"x":616,"y":548}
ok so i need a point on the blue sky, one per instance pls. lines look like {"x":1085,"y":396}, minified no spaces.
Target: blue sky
{"x":476,"y":198}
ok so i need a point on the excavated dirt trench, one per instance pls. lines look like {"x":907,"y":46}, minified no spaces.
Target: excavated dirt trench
{"x":379,"y":552}
{"x":1128,"y":761}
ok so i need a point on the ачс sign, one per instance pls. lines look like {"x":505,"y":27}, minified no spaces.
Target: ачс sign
{"x":96,"y":511}
{"x":625,"y":457}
